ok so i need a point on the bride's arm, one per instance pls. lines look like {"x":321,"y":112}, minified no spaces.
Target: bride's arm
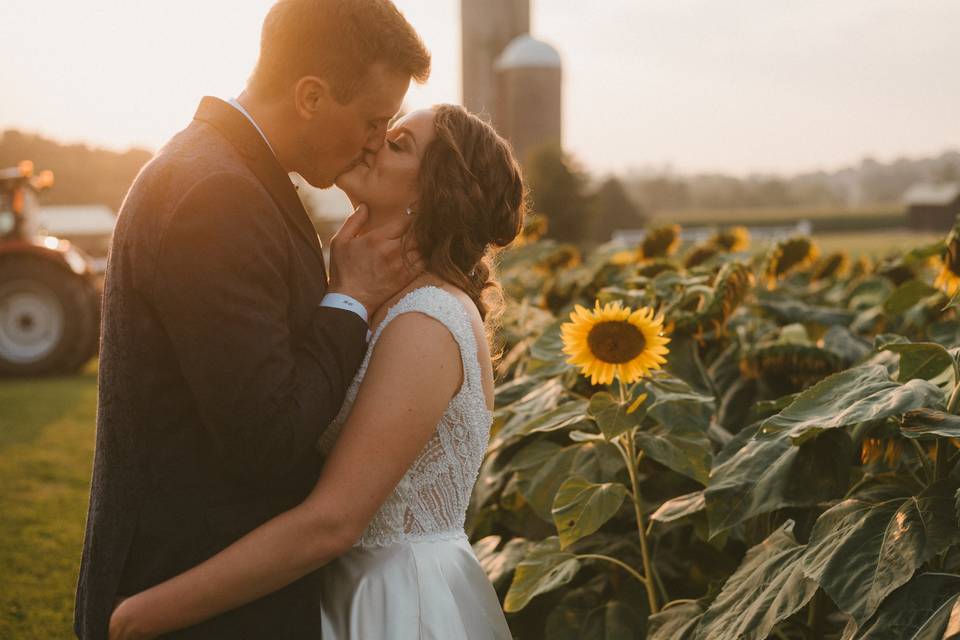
{"x":414,"y":371}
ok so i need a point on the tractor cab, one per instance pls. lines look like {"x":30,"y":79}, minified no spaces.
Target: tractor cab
{"x":18,"y":200}
{"x":49,"y":300}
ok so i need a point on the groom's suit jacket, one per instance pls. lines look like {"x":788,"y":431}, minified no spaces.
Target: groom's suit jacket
{"x":218,"y":372}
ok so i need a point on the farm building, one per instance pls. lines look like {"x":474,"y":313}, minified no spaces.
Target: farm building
{"x":932,"y":207}
{"x":510,"y":77}
{"x":88,"y":226}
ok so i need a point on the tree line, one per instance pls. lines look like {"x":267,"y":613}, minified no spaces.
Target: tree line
{"x":83,"y":174}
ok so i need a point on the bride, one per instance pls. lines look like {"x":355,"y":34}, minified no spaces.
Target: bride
{"x":385,"y":520}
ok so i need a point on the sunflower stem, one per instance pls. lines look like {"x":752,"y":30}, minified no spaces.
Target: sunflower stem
{"x":623,"y":565}
{"x":702,"y":370}
{"x":940,"y":463}
{"x":928,"y":471}
{"x":626,"y":448}
{"x":661,"y":586}
{"x":954,"y":399}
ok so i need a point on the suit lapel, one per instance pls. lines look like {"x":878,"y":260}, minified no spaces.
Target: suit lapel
{"x":247,"y":140}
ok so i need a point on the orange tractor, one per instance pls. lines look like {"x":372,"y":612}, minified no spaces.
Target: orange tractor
{"x":49,"y":298}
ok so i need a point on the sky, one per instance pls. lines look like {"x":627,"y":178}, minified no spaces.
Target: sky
{"x":694,"y":85}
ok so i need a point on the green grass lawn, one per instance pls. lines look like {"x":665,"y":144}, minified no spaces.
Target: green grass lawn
{"x":46,"y":453}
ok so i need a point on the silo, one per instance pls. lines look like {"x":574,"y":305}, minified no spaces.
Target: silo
{"x":487,"y":27}
{"x":529,"y":88}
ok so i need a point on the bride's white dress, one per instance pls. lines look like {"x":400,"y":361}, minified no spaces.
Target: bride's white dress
{"x":413,"y":574}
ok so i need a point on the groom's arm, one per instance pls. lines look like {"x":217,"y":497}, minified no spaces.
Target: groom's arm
{"x":220,"y":290}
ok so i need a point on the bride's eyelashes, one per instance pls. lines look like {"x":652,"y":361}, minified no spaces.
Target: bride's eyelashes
{"x":394,"y":146}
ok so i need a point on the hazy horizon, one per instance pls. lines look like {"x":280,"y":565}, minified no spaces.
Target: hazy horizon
{"x":758,"y":87}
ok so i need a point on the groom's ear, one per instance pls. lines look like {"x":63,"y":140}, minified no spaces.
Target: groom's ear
{"x":311,"y":95}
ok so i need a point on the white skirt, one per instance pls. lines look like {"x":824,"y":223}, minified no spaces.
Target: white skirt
{"x":423,"y":590}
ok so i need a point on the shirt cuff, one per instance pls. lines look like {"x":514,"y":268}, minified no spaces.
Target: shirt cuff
{"x":342,"y":301}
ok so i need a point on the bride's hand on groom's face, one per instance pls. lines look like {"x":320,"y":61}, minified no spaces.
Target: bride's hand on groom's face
{"x":372,"y":267}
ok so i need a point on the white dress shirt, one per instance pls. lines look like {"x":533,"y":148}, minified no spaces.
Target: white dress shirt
{"x":335,"y":300}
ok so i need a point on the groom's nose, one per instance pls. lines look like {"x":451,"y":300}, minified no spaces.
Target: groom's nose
{"x":375,"y":140}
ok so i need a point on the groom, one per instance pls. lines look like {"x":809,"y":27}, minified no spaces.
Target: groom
{"x":226,"y":349}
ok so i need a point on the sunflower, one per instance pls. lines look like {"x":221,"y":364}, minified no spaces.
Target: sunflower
{"x":948,"y":277}
{"x":896,"y":272}
{"x":614,"y":341}
{"x":625,"y":257}
{"x":661,"y":242}
{"x":861,"y":267}
{"x":732,"y":239}
{"x":651,"y":268}
{"x":790,"y":255}
{"x":732,"y":285}
{"x":836,"y":264}
{"x":534,"y":226}
{"x":700,"y":254}
{"x":874,"y":449}
{"x":789,"y":367}
{"x":947,"y":280}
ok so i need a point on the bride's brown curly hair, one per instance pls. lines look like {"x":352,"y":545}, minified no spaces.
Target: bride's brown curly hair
{"x":472,"y":203}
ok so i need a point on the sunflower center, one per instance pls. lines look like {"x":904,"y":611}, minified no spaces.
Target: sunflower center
{"x":615,"y":341}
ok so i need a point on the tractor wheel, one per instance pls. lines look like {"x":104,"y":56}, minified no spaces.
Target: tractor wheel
{"x":47,"y":318}
{"x":88,"y":341}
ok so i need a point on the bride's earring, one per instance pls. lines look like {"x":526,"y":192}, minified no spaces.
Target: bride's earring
{"x":409,"y":211}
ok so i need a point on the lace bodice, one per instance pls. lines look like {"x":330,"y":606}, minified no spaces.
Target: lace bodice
{"x":431,"y":499}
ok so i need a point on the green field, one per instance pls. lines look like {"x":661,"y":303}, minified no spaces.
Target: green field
{"x":46,"y":451}
{"x":825,"y":219}
{"x":881,"y":243}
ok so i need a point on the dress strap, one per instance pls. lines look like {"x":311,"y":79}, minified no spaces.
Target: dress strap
{"x":443,"y":306}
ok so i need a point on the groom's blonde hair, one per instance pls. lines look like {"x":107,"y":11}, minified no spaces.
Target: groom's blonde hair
{"x":337,"y":40}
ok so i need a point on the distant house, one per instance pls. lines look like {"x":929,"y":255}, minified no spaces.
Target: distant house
{"x":88,"y":226}
{"x":932,"y":207}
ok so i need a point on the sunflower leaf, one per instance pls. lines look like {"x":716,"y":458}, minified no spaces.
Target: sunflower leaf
{"x":676,"y":402}
{"x":679,"y":507}
{"x":566,"y":415}
{"x":676,"y":621}
{"x":919,"y":610}
{"x":921,"y":360}
{"x":860,"y":552}
{"x":544,"y":568}
{"x":580,"y":507}
{"x":767,"y":587}
{"x":906,"y":295}
{"x":594,"y":461}
{"x":921,"y":423}
{"x":682,"y":447}
{"x":849,"y":397}
{"x":611,"y":415}
{"x":766,"y":474}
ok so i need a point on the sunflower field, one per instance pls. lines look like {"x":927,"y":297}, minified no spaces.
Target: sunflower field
{"x":725,"y":441}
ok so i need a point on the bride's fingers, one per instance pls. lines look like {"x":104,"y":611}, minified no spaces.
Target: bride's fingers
{"x":354,"y":222}
{"x":396,"y":229}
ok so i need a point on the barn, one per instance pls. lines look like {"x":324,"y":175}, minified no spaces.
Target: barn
{"x":932,"y":207}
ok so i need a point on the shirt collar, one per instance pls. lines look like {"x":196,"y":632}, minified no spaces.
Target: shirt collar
{"x":239,"y":107}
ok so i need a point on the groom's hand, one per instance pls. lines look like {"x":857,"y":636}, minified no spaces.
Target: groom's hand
{"x":372,"y":267}
{"x":122,"y":626}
